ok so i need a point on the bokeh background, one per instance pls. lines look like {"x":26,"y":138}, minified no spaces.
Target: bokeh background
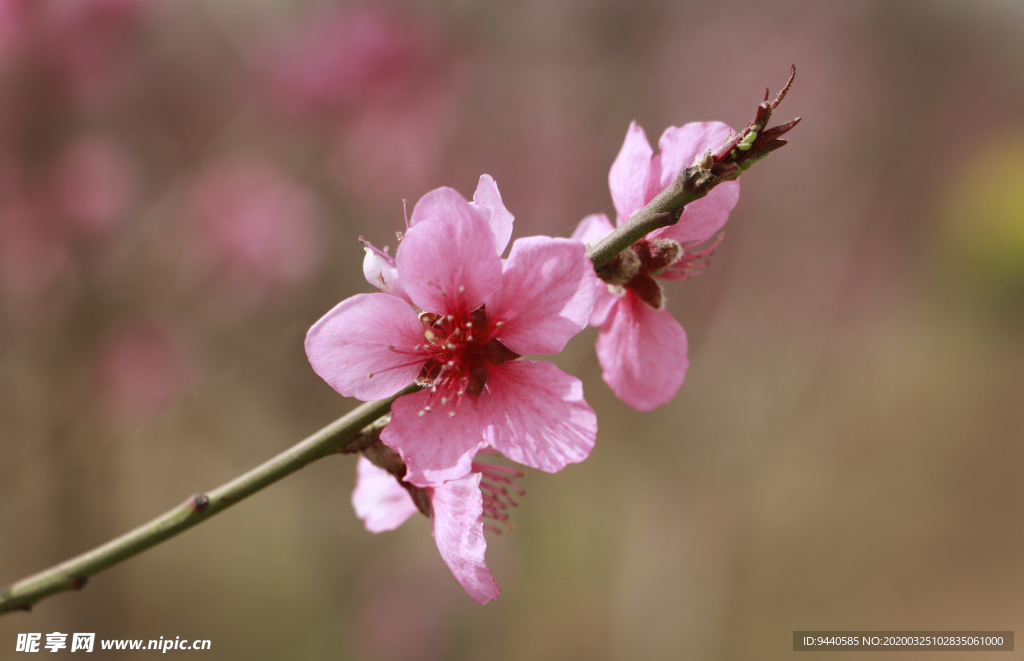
{"x":182,"y":185}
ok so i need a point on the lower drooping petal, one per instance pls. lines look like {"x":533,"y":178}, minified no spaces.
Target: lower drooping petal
{"x":364,"y":347}
{"x":435,"y":446}
{"x":535,"y":414}
{"x":546,"y":297}
{"x":459,"y":534}
{"x":378,"y":499}
{"x":643,"y":353}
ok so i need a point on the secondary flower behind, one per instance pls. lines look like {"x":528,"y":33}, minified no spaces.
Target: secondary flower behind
{"x":457,"y":510}
{"x":478,"y":318}
{"x":641,"y":348}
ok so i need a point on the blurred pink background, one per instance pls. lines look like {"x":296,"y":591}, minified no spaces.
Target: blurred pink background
{"x":182,"y":185}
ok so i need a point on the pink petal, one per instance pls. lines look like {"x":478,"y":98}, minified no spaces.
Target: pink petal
{"x":442,"y":202}
{"x":459,"y":535}
{"x":681,"y":145}
{"x":546,"y":296}
{"x":367,"y":334}
{"x":643,"y":353}
{"x":488,"y":200}
{"x":654,"y":180}
{"x":630,"y":172}
{"x":593,"y":228}
{"x":448,"y":265}
{"x":535,"y":414}
{"x":603,"y":304}
{"x":703,"y":218}
{"x":378,"y":499}
{"x":435,"y":446}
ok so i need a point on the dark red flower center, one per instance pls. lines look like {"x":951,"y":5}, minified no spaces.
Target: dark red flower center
{"x":458,"y":349}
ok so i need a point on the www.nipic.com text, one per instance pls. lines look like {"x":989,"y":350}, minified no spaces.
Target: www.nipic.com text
{"x":85,"y":642}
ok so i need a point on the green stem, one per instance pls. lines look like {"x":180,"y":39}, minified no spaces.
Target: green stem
{"x":692,"y":184}
{"x":350,"y":433}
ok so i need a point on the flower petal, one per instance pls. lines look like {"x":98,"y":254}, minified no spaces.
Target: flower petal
{"x":593,"y":228}
{"x":603,"y":304}
{"x":459,"y":535}
{"x":448,"y":265}
{"x":590,"y":230}
{"x":680,"y":146}
{"x":643,"y":353}
{"x":535,"y":414}
{"x":435,"y":446}
{"x":703,"y":218}
{"x":378,"y":499}
{"x":488,"y":200}
{"x":365,"y":346}
{"x":630,"y":172}
{"x":546,"y":296}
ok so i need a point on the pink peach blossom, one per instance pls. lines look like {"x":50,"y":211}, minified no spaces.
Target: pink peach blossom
{"x":641,"y":347}
{"x":458,"y":508}
{"x":479,"y":317}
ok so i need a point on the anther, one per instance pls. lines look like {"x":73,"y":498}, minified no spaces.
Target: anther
{"x":420,"y":414}
{"x":444,"y":400}
{"x":426,"y":408}
{"x":451,"y":414}
{"x":462,"y":290}
{"x":500,"y":323}
{"x":369,"y":376}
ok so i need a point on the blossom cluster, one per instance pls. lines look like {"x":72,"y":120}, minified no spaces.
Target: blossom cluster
{"x":457,"y":318}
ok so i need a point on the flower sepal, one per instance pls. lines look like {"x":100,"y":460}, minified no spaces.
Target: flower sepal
{"x":741,"y":151}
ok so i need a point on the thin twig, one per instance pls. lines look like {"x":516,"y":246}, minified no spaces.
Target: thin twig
{"x":692,"y":184}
